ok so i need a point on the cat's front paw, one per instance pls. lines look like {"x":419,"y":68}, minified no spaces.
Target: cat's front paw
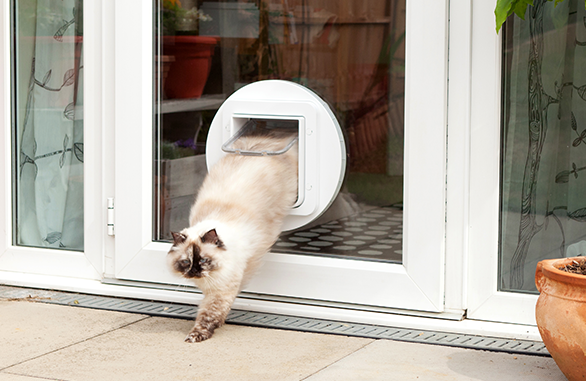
{"x":197,"y":335}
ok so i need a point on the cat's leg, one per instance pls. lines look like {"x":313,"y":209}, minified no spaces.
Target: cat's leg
{"x":212,"y":313}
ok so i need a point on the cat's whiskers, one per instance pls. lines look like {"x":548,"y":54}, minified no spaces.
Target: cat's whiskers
{"x":177,"y":287}
{"x":183,"y":286}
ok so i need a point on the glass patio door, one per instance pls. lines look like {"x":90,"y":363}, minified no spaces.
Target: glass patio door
{"x":369,"y":60}
{"x":50,"y":224}
{"x":528,"y":201}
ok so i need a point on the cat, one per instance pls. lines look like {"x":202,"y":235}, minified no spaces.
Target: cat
{"x":236,"y":218}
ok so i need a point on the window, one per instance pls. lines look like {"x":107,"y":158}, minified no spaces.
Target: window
{"x":543,"y":207}
{"x":210,"y":49}
{"x":48,"y":123}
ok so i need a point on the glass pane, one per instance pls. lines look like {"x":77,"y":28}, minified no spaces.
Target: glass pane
{"x":48,"y":123}
{"x":349,"y":52}
{"x":544,"y":141}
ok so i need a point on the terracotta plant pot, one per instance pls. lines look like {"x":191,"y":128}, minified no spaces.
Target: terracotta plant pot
{"x":164,"y":64}
{"x":561,"y":315}
{"x":189,"y":72}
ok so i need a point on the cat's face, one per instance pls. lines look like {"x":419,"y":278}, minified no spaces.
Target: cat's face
{"x":195,"y":257}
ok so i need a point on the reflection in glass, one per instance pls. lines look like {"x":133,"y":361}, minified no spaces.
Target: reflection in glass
{"x":544,"y":147}
{"x":48,"y":123}
{"x":350,"y":52}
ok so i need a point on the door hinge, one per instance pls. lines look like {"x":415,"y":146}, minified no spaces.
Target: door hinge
{"x":110,"y":217}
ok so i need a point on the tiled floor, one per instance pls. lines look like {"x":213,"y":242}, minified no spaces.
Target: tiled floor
{"x":375,"y":234}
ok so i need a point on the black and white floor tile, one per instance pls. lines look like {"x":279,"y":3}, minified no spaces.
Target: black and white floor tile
{"x":375,"y":234}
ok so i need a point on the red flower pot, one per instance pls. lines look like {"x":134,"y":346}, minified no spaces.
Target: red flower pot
{"x":561,"y":315}
{"x":189,"y":72}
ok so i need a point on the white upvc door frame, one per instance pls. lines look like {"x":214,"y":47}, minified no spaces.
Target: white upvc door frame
{"x":485,"y":302}
{"x":20,"y":259}
{"x":458,"y":156}
{"x":417,"y":284}
{"x":118,"y":121}
{"x":468,"y":242}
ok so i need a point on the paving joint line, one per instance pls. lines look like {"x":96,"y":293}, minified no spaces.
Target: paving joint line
{"x":340,"y":359}
{"x":32,"y":377}
{"x":73,"y":344}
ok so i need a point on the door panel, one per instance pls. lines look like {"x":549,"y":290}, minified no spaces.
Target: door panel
{"x":418,"y":272}
{"x":526,"y":200}
{"x":52,"y":222}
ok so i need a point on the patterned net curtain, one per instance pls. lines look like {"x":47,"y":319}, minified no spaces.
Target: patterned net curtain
{"x":544,"y":146}
{"x":49,"y":124}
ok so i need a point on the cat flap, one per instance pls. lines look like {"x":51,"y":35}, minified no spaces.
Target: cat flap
{"x":286,"y":105}
{"x":263,"y":126}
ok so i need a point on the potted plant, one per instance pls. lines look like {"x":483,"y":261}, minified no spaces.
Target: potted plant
{"x":189,"y":71}
{"x":561,"y":312}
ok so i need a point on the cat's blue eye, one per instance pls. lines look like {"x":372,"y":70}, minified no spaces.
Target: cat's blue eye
{"x":203,"y":260}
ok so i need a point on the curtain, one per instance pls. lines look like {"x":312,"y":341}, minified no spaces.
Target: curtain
{"x":49,"y":131}
{"x":544,"y":147}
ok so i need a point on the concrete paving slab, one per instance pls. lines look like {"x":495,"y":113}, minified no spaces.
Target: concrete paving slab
{"x":153,"y":349}
{"x":4,"y":376}
{"x":394,"y":360}
{"x":28,"y":330}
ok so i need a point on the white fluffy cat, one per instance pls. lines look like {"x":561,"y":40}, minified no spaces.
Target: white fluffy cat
{"x":236,"y":218}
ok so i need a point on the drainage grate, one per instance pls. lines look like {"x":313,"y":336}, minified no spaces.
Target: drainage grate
{"x":267,"y":320}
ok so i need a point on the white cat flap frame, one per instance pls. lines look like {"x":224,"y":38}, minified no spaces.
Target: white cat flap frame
{"x":322,"y":151}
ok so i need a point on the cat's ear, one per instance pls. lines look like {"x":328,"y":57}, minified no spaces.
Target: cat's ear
{"x":212,"y":237}
{"x":178,"y":238}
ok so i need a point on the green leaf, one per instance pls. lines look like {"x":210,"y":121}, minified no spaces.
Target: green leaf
{"x":505,"y":8}
{"x":520,"y":7}
{"x":502,"y":11}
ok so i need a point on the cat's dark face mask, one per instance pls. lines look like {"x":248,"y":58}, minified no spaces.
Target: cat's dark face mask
{"x":187,"y":265}
{"x":190,"y":260}
{"x":199,"y":266}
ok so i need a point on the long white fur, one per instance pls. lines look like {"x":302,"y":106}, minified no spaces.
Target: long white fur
{"x":245,"y":199}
